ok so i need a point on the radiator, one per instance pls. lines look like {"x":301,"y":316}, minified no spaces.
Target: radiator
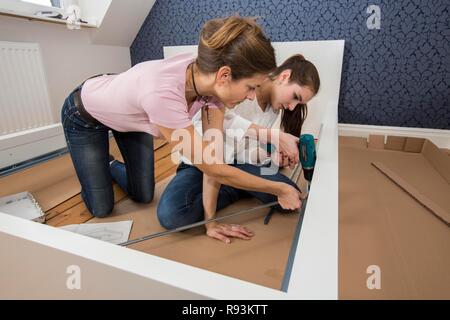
{"x":24,"y":98}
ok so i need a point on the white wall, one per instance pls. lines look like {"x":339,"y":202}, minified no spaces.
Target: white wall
{"x":94,"y":11}
{"x":69,"y":56}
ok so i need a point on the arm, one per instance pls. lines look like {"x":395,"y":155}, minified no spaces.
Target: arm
{"x":211,"y":189}
{"x":220,"y":231}
{"x":241,"y":128}
{"x":288,"y":197}
{"x":286,"y":143}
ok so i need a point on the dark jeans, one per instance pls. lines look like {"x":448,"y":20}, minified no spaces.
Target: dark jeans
{"x":181,"y":202}
{"x":88,"y":145}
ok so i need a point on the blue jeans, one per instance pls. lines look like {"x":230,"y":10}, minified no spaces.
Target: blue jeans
{"x":181,"y":202}
{"x":88,"y":145}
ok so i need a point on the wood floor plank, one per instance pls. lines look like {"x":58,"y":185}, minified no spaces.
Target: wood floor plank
{"x":172,"y":170}
{"x":63,"y":207}
{"x":162,"y":152}
{"x":67,"y":207}
{"x":79,"y":213}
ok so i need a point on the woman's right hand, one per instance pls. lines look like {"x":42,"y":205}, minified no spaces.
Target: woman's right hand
{"x":289,"y":197}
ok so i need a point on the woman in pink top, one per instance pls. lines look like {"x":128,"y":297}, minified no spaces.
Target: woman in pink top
{"x":159,"y":98}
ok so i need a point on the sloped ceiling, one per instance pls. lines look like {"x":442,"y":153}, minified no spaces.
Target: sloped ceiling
{"x":122,"y":22}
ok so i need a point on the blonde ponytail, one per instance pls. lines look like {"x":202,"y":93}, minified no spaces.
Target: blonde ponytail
{"x":236,"y":42}
{"x":232,"y":28}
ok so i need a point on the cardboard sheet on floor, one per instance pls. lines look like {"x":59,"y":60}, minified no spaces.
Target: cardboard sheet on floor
{"x":381,"y":224}
{"x":261,"y":260}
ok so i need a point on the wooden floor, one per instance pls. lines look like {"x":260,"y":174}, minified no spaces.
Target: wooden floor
{"x":61,"y":199}
{"x":74,"y":211}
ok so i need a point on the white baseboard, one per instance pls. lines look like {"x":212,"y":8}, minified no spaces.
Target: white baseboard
{"x":29,"y":144}
{"x":25,"y":145}
{"x":440,"y":138}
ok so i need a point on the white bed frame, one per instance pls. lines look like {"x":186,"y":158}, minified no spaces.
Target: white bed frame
{"x":38,"y":260}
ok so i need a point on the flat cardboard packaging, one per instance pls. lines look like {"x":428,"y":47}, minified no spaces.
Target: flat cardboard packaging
{"x":381,"y":225}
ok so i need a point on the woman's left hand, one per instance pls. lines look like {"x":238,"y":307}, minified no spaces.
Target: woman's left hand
{"x":288,"y":145}
{"x":285,"y":161}
{"x":224,"y":232}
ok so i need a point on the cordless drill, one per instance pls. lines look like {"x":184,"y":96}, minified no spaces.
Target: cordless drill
{"x":307,"y":152}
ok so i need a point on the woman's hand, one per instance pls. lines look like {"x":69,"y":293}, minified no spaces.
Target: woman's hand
{"x":286,"y":161}
{"x":223,"y":232}
{"x":289,"y":197}
{"x":282,"y":160}
{"x":288,"y":145}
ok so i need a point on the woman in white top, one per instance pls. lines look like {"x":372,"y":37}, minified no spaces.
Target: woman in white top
{"x":190,"y":196}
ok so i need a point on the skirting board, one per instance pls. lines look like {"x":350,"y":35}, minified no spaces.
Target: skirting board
{"x":30,"y":144}
{"x":440,"y":138}
{"x":22,"y":146}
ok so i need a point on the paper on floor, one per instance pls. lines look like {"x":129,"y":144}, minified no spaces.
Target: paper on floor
{"x":114,"y":232}
{"x":22,"y":205}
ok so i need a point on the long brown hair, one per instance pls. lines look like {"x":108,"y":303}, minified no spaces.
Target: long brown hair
{"x":303,"y":73}
{"x":236,"y":42}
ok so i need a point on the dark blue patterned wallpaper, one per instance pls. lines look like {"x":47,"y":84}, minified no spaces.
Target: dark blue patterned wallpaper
{"x":398,"y":75}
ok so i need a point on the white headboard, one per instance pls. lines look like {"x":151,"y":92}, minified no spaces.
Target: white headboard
{"x":327,"y":56}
